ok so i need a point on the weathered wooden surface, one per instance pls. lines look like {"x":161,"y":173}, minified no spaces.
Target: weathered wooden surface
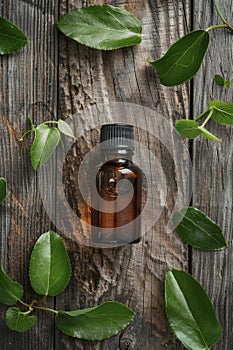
{"x":213,"y":169}
{"x":133,"y":274}
{"x":55,"y":77}
{"x":28,"y":87}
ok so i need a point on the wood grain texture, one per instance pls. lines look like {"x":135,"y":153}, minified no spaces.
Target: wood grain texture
{"x":28,"y":88}
{"x":131,"y":274}
{"x":213,"y":168}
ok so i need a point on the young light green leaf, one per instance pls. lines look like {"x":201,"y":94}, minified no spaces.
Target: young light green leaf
{"x":183,"y":59}
{"x":45,"y":142}
{"x":227,"y":84}
{"x":12,"y":39}
{"x":219,"y":80}
{"x":19,"y":321}
{"x":50,"y":268}
{"x":208,"y":135}
{"x":222,"y":112}
{"x":187,"y":128}
{"x":3,"y":186}
{"x":65,"y":128}
{"x":190,"y":312}
{"x":102,"y":27}
{"x":96,"y":323}
{"x":10,"y":291}
{"x":198,"y":230}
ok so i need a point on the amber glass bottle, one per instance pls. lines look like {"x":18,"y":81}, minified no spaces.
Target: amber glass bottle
{"x":117,"y":201}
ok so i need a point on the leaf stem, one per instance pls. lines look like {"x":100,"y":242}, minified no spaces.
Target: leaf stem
{"x":33,"y":306}
{"x":226,"y":26}
{"x":42,"y":300}
{"x":219,"y":12}
{"x":31,"y":124}
{"x":201,"y":115}
{"x":208,"y":118}
{"x":27,"y":312}
{"x":27,"y":132}
{"x":50,"y":122}
{"x":45,"y":309}
{"x":23,"y":303}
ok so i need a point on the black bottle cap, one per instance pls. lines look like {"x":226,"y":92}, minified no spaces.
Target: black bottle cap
{"x":117,"y":135}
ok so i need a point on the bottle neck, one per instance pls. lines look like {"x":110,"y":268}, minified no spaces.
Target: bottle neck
{"x":115,"y":152}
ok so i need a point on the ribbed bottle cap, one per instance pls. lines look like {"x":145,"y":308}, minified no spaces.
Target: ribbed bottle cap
{"x":117,"y":135}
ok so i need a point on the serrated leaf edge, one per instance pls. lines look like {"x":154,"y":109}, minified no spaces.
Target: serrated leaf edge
{"x":138,"y":35}
{"x":125,"y":324}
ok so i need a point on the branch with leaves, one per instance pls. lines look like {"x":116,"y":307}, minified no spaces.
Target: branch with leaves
{"x":219,"y":111}
{"x":189,"y":310}
{"x":221,"y":81}
{"x":183,"y":59}
{"x":50,"y":273}
{"x":46,"y":140}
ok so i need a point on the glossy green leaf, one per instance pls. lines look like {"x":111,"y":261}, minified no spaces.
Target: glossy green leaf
{"x":50,"y":268}
{"x":208,"y":135}
{"x":183,"y":59}
{"x":65,"y":128}
{"x":187,"y":128}
{"x":198,"y":230}
{"x":219,"y":80}
{"x":190,"y":312}
{"x":3,"y":187}
{"x":12,"y":39}
{"x":45,"y":142}
{"x":95,"y":323}
{"x":102,"y":27}
{"x":19,"y":321}
{"x":222,"y":112}
{"x":10,"y":291}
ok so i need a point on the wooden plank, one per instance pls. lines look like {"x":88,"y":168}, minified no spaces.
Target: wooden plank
{"x":213,"y":167}
{"x":28,"y":88}
{"x":131,"y":274}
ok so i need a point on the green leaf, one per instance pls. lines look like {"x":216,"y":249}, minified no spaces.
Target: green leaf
{"x":10,"y":291}
{"x":227,"y":84}
{"x":19,"y":321}
{"x":219,"y":80}
{"x":3,"y":186}
{"x":222,"y":112}
{"x":12,"y":39}
{"x":102,"y":27}
{"x":190,"y":312}
{"x":96,"y":323}
{"x":45,"y":142}
{"x":187,"y":128}
{"x":50,"y":268}
{"x":198,"y":230}
{"x":208,"y":135}
{"x":65,"y":128}
{"x":183,"y":59}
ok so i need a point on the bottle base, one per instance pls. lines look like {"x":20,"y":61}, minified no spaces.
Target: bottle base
{"x":100,"y":239}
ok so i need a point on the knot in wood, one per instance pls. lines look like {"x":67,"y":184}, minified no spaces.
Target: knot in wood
{"x":127,"y":343}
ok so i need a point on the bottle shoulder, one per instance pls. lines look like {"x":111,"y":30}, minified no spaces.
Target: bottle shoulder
{"x":121,"y":165}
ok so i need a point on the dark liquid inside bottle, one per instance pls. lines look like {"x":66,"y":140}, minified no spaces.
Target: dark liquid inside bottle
{"x":117,"y":205}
